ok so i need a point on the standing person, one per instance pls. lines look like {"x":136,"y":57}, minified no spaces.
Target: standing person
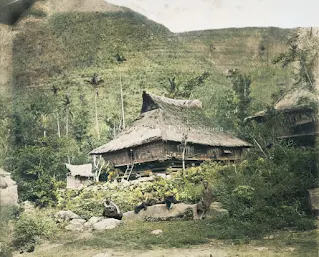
{"x":206,"y":200}
{"x":111,"y":210}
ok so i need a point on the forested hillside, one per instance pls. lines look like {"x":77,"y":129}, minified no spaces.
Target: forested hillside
{"x":69,"y":66}
{"x":54,"y":50}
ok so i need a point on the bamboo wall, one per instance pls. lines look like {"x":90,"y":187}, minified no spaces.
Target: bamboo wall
{"x":160,"y":151}
{"x":143,"y":153}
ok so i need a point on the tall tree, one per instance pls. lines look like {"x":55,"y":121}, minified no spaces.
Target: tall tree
{"x":67,"y":104}
{"x":55,"y":91}
{"x":241,"y":86}
{"x":95,"y":81}
{"x":302,"y":53}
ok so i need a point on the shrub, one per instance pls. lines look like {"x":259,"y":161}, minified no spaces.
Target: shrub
{"x":270,"y":191}
{"x":30,"y":229}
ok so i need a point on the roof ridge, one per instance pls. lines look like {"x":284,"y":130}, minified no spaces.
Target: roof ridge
{"x":186,"y":103}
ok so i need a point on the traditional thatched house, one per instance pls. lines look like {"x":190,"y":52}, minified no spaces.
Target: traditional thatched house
{"x":168,"y":132}
{"x":296,"y":116}
{"x":297,"y":110}
{"x":78,"y":175}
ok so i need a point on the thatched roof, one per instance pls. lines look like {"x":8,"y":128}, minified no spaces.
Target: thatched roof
{"x":84,"y":170}
{"x":168,"y":119}
{"x":293,"y":100}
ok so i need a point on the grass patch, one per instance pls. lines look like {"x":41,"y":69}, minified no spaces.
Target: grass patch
{"x":181,"y":234}
{"x":136,"y":236}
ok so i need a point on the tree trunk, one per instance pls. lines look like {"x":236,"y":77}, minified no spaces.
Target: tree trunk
{"x":58,"y":124}
{"x":184,"y":149}
{"x":98,"y":166}
{"x":122,"y":104}
{"x":67,"y":122}
{"x":96,"y":116}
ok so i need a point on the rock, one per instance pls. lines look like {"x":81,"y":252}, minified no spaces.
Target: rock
{"x":269,"y":237}
{"x":124,"y":183}
{"x":94,"y":220}
{"x":159,"y":212}
{"x":216,"y":211}
{"x":28,"y":206}
{"x":162,"y":175}
{"x":3,"y":184}
{"x":75,"y":227}
{"x":89,"y":225}
{"x":314,"y":200}
{"x":78,"y":221}
{"x":157,"y":232}
{"x":261,"y":248}
{"x":107,"y":224}
{"x":146,"y":179}
{"x":66,"y":215}
{"x":8,"y":189}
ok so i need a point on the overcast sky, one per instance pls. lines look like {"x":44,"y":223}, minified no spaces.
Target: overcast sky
{"x":187,"y":15}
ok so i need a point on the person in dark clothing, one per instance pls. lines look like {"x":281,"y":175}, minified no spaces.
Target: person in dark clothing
{"x":143,"y":203}
{"x":111,"y":210}
{"x":140,"y":207}
{"x":170,"y":200}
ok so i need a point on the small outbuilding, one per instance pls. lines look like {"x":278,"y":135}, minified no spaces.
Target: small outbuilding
{"x":78,"y":175}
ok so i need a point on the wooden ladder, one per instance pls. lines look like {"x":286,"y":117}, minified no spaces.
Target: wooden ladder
{"x":128,"y":168}
{"x":128,"y":177}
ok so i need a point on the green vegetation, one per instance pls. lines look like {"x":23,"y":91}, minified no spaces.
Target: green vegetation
{"x":137,"y":236}
{"x":56,"y":117}
{"x":30,"y":229}
{"x":261,"y":194}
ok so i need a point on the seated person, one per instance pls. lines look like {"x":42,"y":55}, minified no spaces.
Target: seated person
{"x":170,"y":199}
{"x":111,"y":210}
{"x":143,"y":202}
{"x":206,"y":200}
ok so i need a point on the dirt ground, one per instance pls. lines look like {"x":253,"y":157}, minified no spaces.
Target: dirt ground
{"x":199,"y":251}
{"x":206,"y":250}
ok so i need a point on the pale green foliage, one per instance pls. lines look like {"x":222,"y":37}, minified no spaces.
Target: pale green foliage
{"x":186,"y":186}
{"x":31,"y":229}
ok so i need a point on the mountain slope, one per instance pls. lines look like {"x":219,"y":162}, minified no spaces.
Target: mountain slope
{"x":63,"y":45}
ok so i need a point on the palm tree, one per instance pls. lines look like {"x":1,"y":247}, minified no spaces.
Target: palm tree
{"x":95,"y":81}
{"x":66,"y":104}
{"x":55,"y":91}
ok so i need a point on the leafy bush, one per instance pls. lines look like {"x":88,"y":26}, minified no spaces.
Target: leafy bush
{"x":270,"y":191}
{"x":7,"y":214}
{"x":30,"y":229}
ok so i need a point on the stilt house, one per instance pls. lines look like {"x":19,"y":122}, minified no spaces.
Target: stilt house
{"x":295,"y":116}
{"x":167,"y":133}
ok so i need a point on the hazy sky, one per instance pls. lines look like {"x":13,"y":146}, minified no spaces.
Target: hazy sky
{"x":185,"y":15}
